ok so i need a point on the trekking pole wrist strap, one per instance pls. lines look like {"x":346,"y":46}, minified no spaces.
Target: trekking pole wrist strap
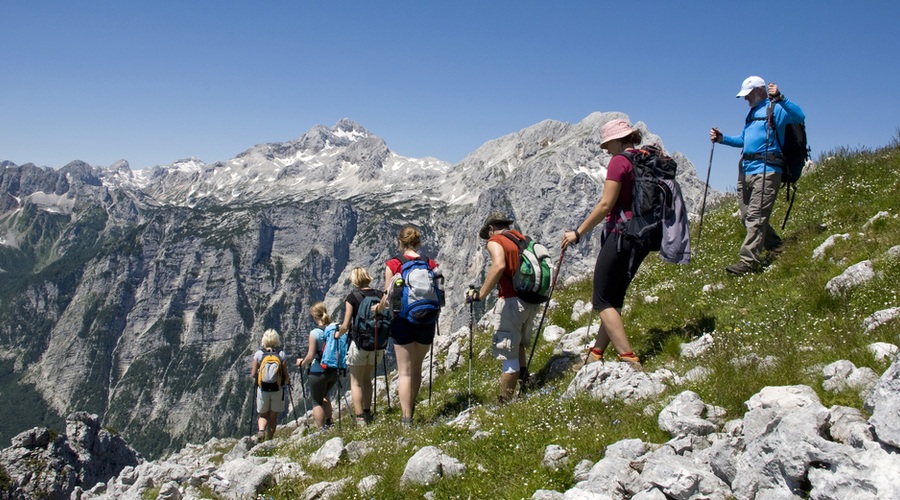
{"x":577,"y":236}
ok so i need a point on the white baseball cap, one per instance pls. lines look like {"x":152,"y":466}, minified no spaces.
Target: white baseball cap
{"x":750,"y":83}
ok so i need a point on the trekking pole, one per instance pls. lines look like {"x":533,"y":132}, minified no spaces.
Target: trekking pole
{"x":340,"y":396}
{"x":762,"y":192}
{"x":387,"y":383}
{"x":303,"y":390}
{"x":590,"y":321}
{"x":375,"y":382}
{"x":253,"y":425}
{"x":544,"y":313}
{"x":471,"y":335}
{"x":431,"y":363}
{"x":791,"y":192}
{"x":291,"y":399}
{"x":705,"y":190}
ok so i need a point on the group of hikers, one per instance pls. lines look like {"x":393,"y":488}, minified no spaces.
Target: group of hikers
{"x":624,"y":246}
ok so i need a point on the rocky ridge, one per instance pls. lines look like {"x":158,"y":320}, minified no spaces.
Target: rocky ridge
{"x":787,"y":445}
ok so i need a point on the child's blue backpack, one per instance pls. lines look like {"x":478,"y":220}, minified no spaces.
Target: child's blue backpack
{"x":334,"y":351}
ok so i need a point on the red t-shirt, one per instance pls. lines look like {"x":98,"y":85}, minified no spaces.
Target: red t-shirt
{"x":621,"y":171}
{"x":511,"y":250}
{"x":394,"y":264}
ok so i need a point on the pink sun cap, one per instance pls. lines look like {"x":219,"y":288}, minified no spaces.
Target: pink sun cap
{"x":614,"y":129}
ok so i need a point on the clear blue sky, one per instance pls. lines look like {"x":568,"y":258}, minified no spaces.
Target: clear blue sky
{"x":154,"y":82}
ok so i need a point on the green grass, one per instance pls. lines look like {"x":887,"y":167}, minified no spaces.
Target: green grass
{"x":783,"y":312}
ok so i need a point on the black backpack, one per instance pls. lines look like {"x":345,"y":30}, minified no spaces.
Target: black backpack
{"x":650,"y":197}
{"x":795,"y":151}
{"x":364,"y":323}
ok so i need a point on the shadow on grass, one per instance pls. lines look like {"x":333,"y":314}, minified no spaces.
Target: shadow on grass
{"x":557,"y":367}
{"x":693,"y":329}
{"x":461,"y":401}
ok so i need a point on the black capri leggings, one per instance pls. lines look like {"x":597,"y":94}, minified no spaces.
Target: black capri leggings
{"x":320,"y":383}
{"x":615,"y":268}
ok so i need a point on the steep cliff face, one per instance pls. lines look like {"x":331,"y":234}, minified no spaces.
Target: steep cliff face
{"x":140,"y":296}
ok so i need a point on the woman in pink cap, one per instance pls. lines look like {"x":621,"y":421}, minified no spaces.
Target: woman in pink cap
{"x":618,"y":261}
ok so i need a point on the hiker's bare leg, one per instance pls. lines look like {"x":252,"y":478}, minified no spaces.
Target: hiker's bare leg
{"x":508,"y":385}
{"x":264,"y":419}
{"x":409,"y":369}
{"x":273,"y":423}
{"x":360,"y":376}
{"x":602,"y":340}
{"x":321,"y":413}
{"x":612,"y":329}
{"x":365,"y":385}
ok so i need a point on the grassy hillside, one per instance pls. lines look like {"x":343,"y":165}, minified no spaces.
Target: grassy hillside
{"x":783,"y":312}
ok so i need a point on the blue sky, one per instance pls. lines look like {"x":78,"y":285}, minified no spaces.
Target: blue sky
{"x":155,"y":82}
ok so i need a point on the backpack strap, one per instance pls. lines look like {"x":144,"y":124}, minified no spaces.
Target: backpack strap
{"x":521,"y":244}
{"x":404,"y":259}
{"x":321,"y":351}
{"x":515,"y":239}
{"x":358,"y":295}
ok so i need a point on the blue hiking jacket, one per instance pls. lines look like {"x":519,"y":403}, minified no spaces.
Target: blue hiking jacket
{"x":753,"y":137}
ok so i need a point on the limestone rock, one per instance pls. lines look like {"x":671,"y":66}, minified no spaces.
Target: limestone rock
{"x":819,"y":252}
{"x":884,"y":405}
{"x":430,"y":464}
{"x":883,"y":350}
{"x":688,"y":414}
{"x":555,"y":457}
{"x":611,"y":381}
{"x":39,"y":463}
{"x":697,"y":347}
{"x":330,"y":454}
{"x":852,"y":277}
{"x":881,"y":317}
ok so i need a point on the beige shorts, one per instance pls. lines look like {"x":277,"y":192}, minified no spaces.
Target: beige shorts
{"x":359,"y":357}
{"x":516,"y":326}
{"x":269,"y":401}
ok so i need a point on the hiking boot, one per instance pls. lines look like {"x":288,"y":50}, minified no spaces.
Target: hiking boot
{"x":739,"y":269}
{"x":633,"y":361}
{"x":406,"y":422}
{"x":260,"y":436}
{"x":593,"y":356}
{"x":361,"y":421}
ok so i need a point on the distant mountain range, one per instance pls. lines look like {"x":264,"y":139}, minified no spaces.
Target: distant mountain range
{"x":140,"y":295}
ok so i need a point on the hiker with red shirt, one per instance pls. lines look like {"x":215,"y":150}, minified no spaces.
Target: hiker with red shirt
{"x":411,"y":341}
{"x":514,"y":332}
{"x":619,"y":259}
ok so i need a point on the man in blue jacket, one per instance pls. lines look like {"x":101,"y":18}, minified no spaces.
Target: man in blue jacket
{"x":759,"y":177}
